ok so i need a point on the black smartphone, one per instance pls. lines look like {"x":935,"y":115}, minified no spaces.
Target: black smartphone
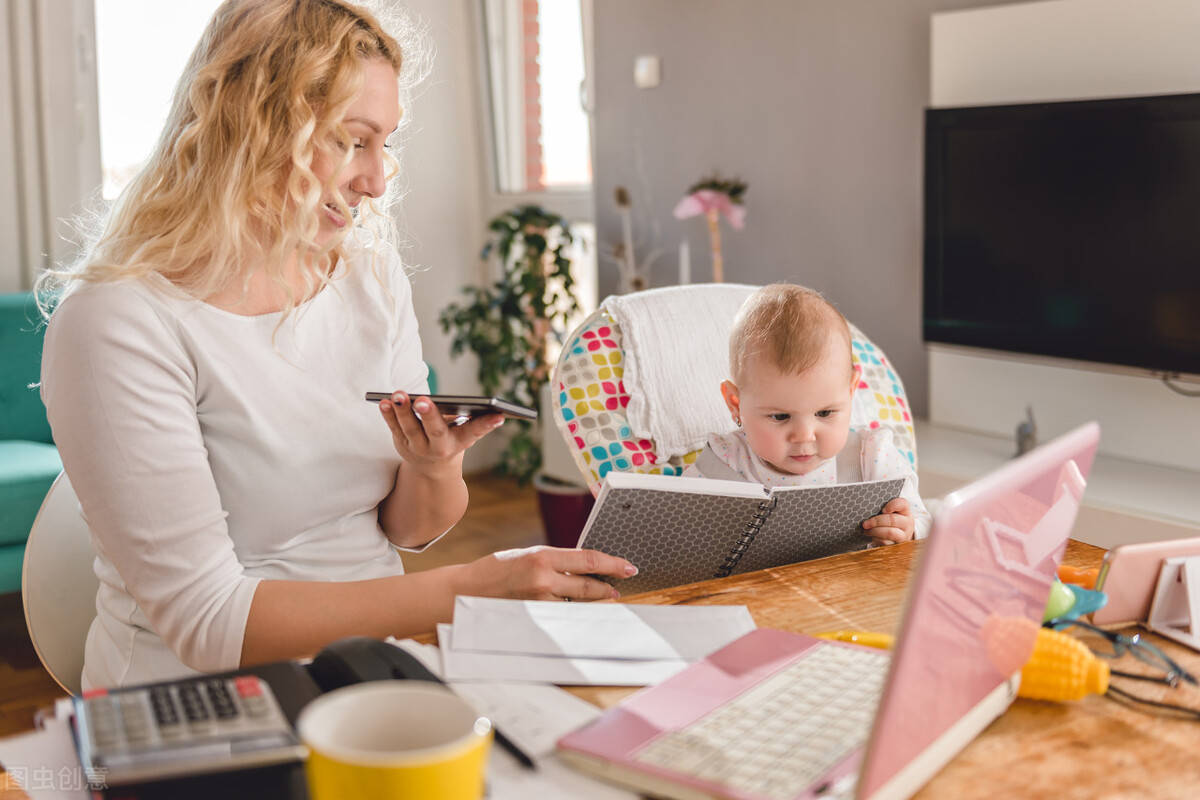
{"x":467,"y":406}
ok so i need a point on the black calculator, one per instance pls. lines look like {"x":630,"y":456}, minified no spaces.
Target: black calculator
{"x":183,"y":728}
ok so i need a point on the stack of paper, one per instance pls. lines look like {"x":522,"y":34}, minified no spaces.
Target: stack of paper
{"x":601,"y":644}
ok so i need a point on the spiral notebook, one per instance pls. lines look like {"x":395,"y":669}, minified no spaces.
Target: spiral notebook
{"x":682,"y":530}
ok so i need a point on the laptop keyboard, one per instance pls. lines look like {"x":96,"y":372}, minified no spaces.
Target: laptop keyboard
{"x":779,"y":736}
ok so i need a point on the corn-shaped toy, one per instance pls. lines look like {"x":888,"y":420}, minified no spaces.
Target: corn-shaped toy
{"x":1062,"y":668}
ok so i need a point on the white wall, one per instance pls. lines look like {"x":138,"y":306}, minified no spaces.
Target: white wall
{"x":444,"y":173}
{"x":817,"y":104}
{"x":1062,"y":50}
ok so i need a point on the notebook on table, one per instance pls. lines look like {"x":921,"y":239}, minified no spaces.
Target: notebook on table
{"x":683,"y":530}
{"x":781,"y":715}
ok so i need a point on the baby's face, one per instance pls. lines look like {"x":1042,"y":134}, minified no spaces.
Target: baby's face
{"x":797,"y":422}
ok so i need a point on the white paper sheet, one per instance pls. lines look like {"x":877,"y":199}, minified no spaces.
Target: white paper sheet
{"x":595,"y":630}
{"x":45,"y":764}
{"x":465,"y":665}
{"x":534,"y":717}
{"x":553,"y":780}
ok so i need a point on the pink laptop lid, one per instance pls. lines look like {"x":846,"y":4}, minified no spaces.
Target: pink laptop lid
{"x":977,"y":597}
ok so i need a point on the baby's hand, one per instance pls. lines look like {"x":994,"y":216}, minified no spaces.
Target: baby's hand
{"x":894,"y":525}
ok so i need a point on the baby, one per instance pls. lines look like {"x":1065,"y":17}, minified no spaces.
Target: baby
{"x":793,"y":380}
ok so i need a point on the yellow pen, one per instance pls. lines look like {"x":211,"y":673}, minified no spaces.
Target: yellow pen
{"x":883,"y":641}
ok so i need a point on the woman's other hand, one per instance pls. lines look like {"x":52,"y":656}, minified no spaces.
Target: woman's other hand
{"x":424,"y":439}
{"x":545,"y":573}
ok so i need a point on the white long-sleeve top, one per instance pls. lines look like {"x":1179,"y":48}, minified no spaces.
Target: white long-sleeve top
{"x":211,"y":451}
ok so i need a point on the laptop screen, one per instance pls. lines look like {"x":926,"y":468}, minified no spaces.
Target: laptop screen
{"x":976,"y":601}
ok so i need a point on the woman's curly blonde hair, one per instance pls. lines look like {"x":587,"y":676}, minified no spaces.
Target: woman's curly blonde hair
{"x":229,"y":187}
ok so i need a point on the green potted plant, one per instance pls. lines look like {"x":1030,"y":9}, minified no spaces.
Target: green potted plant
{"x":510,"y":324}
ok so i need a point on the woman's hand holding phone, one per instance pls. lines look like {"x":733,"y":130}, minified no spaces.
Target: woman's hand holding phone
{"x":424,"y":439}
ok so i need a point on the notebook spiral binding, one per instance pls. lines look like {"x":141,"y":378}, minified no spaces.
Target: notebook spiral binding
{"x":747,"y":538}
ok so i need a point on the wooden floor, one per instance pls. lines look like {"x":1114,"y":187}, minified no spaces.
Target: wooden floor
{"x":501,"y":515}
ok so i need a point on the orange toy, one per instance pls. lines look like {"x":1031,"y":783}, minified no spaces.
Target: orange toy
{"x":1079,"y":576}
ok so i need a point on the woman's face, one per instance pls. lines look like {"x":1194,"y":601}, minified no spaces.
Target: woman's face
{"x":369,"y":120}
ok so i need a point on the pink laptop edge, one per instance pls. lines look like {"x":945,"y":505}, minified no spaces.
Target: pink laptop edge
{"x":895,"y":762}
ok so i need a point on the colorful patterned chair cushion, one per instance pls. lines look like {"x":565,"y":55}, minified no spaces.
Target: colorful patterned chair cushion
{"x":590,"y":412}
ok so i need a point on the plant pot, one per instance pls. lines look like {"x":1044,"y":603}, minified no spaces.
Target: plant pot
{"x":564,"y":508}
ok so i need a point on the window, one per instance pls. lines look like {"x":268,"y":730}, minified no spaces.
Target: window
{"x":535,"y":56}
{"x":141,"y":49}
{"x":536,"y":86}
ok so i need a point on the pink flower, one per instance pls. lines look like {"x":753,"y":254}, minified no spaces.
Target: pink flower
{"x":705,"y":200}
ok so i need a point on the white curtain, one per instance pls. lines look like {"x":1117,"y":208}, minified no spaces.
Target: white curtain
{"x":49,"y":132}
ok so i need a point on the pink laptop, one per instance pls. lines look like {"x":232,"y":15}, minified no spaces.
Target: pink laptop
{"x":780,"y":715}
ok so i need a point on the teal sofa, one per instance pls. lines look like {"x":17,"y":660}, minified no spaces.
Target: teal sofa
{"x":29,"y":460}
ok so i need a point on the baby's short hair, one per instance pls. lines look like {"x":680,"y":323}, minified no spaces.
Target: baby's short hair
{"x":789,"y":325}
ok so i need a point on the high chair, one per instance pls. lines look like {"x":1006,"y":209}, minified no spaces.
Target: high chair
{"x":591,"y":398}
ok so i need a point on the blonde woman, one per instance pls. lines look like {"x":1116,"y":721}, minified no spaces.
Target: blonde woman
{"x":205,"y":367}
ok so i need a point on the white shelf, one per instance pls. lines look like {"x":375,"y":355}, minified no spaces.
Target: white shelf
{"x":1135,"y":501}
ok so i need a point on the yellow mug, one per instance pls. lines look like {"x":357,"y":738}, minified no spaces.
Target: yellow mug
{"x":392,"y":740}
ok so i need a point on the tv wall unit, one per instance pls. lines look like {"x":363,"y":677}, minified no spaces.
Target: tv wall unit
{"x":1146,"y":480}
{"x":1126,"y":501}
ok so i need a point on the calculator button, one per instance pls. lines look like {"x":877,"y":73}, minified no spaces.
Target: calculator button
{"x":257,"y":706}
{"x":102,"y":714}
{"x":171,"y":732}
{"x":102,"y":719}
{"x":135,"y":719}
{"x":221,"y":700}
{"x":137,"y":722}
{"x":105,"y":736}
{"x":100,"y":705}
{"x":226,"y":712}
{"x":193,"y":704}
{"x":163,"y":704}
{"x":138,"y":736}
{"x":104,"y":724}
{"x":247,"y":686}
{"x":202,"y":728}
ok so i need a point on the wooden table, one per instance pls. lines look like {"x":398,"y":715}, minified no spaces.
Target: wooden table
{"x":1091,"y":749}
{"x":1094,"y":748}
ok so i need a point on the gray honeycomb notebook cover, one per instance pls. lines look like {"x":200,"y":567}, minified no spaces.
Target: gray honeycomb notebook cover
{"x":682,"y":530}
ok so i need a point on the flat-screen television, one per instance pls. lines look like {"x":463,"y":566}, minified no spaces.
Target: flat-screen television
{"x":1067,"y":229}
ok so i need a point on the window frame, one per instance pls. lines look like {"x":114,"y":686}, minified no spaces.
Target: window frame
{"x":573,"y":203}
